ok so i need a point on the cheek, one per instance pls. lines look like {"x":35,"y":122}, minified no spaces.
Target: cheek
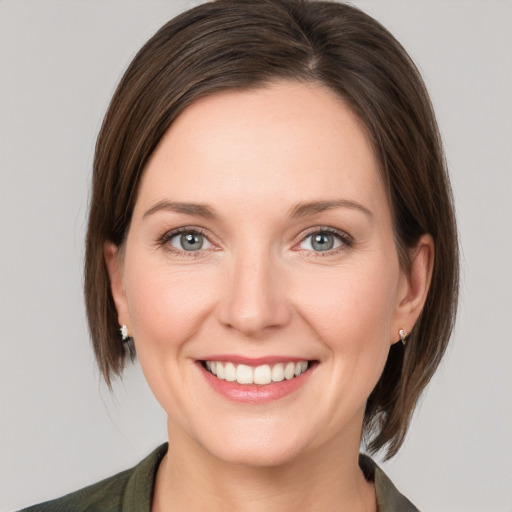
{"x":351,"y":312}
{"x":167,"y":305}
{"x":167,"y":309}
{"x":351,"y":308}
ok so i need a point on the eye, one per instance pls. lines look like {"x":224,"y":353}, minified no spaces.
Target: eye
{"x":323,"y":241}
{"x":189,"y":241}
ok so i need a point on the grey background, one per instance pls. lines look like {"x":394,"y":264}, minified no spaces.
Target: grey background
{"x":60,"y":429}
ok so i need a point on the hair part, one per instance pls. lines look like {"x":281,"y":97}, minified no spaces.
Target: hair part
{"x":245,"y":44}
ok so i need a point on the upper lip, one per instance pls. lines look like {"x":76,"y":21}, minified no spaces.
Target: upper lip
{"x":253,"y":361}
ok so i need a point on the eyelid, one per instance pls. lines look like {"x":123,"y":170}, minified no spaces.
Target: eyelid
{"x":346,"y":240}
{"x":176,"y":240}
{"x":170,"y":234}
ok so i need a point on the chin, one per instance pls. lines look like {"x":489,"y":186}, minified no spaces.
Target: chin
{"x":257,"y":456}
{"x":256,"y":449}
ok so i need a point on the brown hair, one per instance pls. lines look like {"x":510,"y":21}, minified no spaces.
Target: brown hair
{"x":235,"y":44}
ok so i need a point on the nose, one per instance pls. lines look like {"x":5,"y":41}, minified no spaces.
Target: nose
{"x":255,"y":298}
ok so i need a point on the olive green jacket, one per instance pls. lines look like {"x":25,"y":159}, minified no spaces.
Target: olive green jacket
{"x":131,"y":490}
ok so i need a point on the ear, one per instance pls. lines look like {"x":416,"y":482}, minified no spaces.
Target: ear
{"x":113,"y":260}
{"x":413,"y":287}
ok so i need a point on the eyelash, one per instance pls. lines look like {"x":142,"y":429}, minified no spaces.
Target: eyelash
{"x":164,"y":240}
{"x":346,"y":241}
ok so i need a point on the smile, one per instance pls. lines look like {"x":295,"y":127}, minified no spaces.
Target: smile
{"x":260,"y":375}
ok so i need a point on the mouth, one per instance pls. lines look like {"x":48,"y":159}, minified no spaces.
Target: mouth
{"x":260,"y":375}
{"x":256,"y":381}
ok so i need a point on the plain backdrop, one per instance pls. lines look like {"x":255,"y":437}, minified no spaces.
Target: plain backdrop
{"x":60,"y":428}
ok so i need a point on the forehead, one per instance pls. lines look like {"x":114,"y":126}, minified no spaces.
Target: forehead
{"x":280,"y":143}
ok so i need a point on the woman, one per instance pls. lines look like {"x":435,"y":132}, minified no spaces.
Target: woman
{"x":272,"y":231}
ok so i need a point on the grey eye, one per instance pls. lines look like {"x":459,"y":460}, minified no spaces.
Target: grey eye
{"x":190,"y":241}
{"x":320,"y":241}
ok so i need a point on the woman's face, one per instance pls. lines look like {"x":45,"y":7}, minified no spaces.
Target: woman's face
{"x":261,"y":246}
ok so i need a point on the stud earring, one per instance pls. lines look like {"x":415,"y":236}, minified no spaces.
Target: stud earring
{"x":123,"y":331}
{"x":402,"y":335}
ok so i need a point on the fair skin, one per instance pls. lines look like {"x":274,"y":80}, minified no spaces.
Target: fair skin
{"x":286,"y":254}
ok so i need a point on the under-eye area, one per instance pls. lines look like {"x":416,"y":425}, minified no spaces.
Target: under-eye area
{"x":260,"y":375}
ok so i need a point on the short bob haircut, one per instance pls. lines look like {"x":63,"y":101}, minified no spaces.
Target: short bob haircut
{"x":245,"y":44}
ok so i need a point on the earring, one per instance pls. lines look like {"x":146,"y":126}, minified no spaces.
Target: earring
{"x":402,"y":335}
{"x":123,"y":331}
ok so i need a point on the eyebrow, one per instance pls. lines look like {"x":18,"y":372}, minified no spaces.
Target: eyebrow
{"x":198,"y":209}
{"x":300,"y":210}
{"x":310,"y":208}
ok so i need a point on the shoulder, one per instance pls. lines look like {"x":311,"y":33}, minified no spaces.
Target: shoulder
{"x":389,"y":498}
{"x":103,"y":496}
{"x":130,"y":490}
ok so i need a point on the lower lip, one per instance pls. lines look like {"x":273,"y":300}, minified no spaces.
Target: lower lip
{"x":254,"y":393}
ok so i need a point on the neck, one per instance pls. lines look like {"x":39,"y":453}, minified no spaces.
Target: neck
{"x":324,"y":479}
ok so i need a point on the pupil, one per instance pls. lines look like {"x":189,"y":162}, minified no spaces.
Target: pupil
{"x":191,"y":241}
{"x":323,"y":242}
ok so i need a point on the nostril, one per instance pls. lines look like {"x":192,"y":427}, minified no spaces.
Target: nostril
{"x":254,"y":301}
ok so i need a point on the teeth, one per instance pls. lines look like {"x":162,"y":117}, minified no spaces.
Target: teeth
{"x":230,"y":372}
{"x":263,"y":374}
{"x":278,"y":373}
{"x":221,"y":372}
{"x":244,"y":374}
{"x":289,"y":371}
